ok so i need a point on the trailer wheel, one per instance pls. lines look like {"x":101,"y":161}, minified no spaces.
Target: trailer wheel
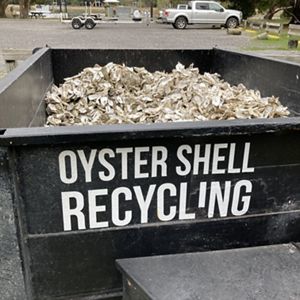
{"x":76,"y":23}
{"x":180,"y":23}
{"x":89,"y":24}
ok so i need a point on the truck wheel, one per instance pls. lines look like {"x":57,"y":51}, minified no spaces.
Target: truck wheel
{"x":232,"y":22}
{"x":89,"y":23}
{"x":76,"y":23}
{"x":180,"y":23}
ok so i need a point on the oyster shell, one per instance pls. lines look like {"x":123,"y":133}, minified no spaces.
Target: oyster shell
{"x":115,"y":94}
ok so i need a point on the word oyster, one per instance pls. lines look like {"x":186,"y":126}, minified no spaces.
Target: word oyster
{"x":115,"y":94}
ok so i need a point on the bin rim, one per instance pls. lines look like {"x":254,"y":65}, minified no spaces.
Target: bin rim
{"x":122,"y":132}
{"x":213,"y":49}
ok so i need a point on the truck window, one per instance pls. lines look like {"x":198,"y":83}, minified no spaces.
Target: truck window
{"x":202,"y":6}
{"x":215,"y":6}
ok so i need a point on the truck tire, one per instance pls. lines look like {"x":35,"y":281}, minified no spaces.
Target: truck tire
{"x":232,"y":22}
{"x":180,"y":23}
{"x":76,"y":23}
{"x":89,"y":24}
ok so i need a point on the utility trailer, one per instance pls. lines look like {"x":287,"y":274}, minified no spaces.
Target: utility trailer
{"x":90,"y":20}
{"x":62,"y":228}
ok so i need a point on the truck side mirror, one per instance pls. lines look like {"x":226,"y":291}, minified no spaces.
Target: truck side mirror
{"x":220,"y":9}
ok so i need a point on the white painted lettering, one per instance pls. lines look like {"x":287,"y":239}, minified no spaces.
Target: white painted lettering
{"x":94,"y":209}
{"x":218,"y":158}
{"x":109,"y":167}
{"x":115,"y":202}
{"x":87,"y":164}
{"x":204,"y":159}
{"x":216,"y":194}
{"x":144,"y":203}
{"x":202,"y":194}
{"x":183,"y":215}
{"x":124,"y":160}
{"x":140,"y":162}
{"x":76,"y":211}
{"x":180,"y":170}
{"x":245,"y":168}
{"x":231,"y":169}
{"x":159,"y":161}
{"x":161,"y":202}
{"x":63,"y":167}
{"x":245,"y":199}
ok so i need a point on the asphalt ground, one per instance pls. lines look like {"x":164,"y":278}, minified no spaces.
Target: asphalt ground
{"x":32,"y":33}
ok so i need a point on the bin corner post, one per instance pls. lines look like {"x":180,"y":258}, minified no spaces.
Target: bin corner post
{"x":11,"y":278}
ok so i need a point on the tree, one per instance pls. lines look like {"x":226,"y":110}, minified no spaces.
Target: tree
{"x":3,"y":6}
{"x":271,"y":7}
{"x":24,"y":8}
{"x":246,"y":6}
{"x":294,"y":12}
{"x":290,"y":7}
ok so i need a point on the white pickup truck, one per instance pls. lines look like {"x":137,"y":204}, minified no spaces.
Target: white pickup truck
{"x":203,"y":12}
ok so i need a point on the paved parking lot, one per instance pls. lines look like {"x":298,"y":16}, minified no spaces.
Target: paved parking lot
{"x":31,"y":33}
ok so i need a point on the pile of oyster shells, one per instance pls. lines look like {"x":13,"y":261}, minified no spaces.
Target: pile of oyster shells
{"x":115,"y":94}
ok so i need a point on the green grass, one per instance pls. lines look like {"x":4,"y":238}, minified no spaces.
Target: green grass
{"x":280,"y":21}
{"x":270,"y":44}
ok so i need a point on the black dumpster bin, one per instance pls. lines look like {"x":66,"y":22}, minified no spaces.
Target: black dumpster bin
{"x":82,"y":197}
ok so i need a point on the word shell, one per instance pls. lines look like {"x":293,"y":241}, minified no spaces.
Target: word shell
{"x":122,"y":186}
